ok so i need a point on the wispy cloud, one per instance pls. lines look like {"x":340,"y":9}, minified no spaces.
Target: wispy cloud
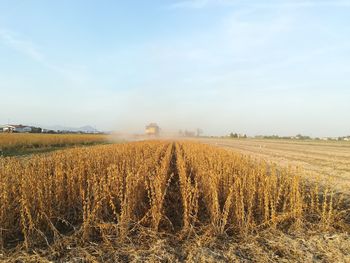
{"x":23,"y":46}
{"x":30,"y":50}
{"x":301,"y":3}
{"x":199,"y":4}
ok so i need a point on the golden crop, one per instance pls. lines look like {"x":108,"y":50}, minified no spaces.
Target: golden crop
{"x":104,"y":193}
{"x":10,"y":141}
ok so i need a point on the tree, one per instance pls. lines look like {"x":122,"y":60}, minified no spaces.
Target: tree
{"x":199,"y":132}
{"x":233,"y":135}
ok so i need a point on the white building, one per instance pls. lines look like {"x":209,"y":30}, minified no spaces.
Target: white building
{"x":15,"y":128}
{"x":7,"y":128}
{"x":21,"y":128}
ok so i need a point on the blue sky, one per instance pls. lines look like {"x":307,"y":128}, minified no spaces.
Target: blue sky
{"x":272,"y":67}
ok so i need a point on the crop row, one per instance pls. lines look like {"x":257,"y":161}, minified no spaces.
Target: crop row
{"x":105,"y":193}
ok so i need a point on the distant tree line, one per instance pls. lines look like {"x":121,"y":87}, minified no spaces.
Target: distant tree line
{"x":277,"y":137}
{"x":236,"y":135}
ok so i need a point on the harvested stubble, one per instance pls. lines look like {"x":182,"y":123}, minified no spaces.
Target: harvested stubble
{"x":111,"y":194}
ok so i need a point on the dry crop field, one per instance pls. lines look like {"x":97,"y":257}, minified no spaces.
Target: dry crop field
{"x":163,"y":201}
{"x":328,"y":161}
{"x":22,"y":143}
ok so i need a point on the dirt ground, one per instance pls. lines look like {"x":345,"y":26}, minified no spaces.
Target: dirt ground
{"x":327,"y":161}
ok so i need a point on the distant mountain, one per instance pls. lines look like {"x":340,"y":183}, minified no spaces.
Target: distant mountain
{"x":87,"y":128}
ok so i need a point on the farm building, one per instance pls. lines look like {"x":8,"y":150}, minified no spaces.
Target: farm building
{"x":2,"y":127}
{"x":7,"y":128}
{"x":22,"y":128}
{"x":152,"y":129}
{"x":15,"y":128}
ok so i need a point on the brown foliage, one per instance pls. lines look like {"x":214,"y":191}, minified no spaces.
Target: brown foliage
{"x":109,"y":194}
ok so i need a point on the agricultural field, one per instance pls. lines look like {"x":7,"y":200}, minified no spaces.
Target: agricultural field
{"x":328,"y":161}
{"x":165,"y":201}
{"x":12,"y":144}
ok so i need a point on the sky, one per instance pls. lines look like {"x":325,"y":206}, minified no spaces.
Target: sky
{"x":254,"y":67}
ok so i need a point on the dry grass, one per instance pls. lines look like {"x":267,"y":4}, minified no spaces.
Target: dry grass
{"x":162,"y":201}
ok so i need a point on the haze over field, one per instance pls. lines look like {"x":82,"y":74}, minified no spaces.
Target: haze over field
{"x":278,"y":67}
